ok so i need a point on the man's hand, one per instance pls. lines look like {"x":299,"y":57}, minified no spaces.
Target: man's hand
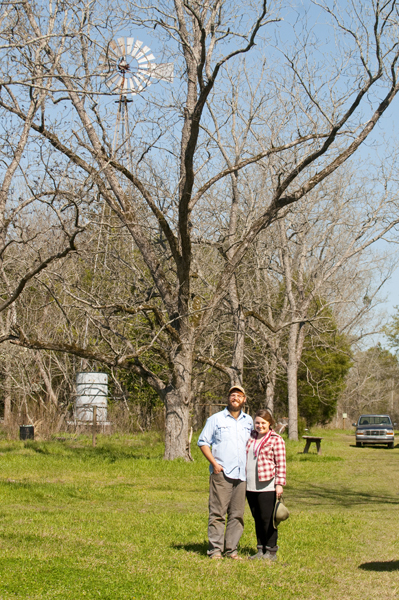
{"x":216,"y":467}
{"x":279,"y":491}
{"x":206,"y":451}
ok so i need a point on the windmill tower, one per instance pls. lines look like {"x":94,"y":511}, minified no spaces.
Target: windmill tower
{"x":128,"y":68}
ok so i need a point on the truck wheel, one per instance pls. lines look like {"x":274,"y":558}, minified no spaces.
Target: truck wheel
{"x":359,"y":445}
{"x":391,"y":445}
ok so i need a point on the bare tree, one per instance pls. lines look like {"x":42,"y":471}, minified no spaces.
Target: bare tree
{"x":318,"y":257}
{"x":39,"y":221}
{"x":323,"y":259}
{"x":317,"y":120}
{"x":371,"y":385}
{"x":20,"y":191}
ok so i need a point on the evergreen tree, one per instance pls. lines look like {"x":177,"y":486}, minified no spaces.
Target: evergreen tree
{"x":325,"y":363}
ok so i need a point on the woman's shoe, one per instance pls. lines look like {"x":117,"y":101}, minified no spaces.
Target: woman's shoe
{"x":270,"y":554}
{"x":259,"y":554}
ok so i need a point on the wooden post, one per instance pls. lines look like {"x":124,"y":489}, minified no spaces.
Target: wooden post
{"x":94,"y":425}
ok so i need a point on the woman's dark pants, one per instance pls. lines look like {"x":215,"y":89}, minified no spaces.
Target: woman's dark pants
{"x":262,"y":506}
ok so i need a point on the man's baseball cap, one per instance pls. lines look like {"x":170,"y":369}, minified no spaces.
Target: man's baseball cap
{"x":237,"y":387}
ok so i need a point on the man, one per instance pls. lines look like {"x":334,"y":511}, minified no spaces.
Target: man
{"x":226,"y":433}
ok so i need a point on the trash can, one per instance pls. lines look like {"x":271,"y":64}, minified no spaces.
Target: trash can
{"x":27,"y":432}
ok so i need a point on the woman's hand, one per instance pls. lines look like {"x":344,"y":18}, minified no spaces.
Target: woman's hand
{"x":279,"y":491}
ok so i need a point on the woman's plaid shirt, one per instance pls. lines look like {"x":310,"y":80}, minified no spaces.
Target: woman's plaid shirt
{"x":271,"y":458}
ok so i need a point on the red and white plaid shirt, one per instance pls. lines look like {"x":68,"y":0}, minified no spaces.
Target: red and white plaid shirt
{"x":271,"y":457}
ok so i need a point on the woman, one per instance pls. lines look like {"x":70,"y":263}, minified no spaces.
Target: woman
{"x":265,"y":477}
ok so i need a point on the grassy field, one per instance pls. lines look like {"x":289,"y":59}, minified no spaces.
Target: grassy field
{"x":117,"y":522}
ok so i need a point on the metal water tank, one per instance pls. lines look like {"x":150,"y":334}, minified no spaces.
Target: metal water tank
{"x":91,"y":390}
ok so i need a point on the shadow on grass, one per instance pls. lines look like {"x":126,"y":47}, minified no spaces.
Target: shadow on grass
{"x":105,"y":451}
{"x":314,"y":457}
{"x":345,"y":497}
{"x":373,"y":446}
{"x":249,"y":550}
{"x":5,"y":449}
{"x":200,"y":548}
{"x":389,"y":565}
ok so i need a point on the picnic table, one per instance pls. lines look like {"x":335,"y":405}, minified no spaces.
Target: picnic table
{"x":309,"y":440}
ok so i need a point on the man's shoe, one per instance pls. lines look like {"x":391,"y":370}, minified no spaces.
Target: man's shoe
{"x":216,"y":556}
{"x":234,"y":556}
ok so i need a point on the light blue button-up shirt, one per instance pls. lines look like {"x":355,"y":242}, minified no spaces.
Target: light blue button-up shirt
{"x":228,"y":437}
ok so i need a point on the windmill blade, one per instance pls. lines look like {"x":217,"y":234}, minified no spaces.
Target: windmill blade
{"x":144,"y":53}
{"x":145,"y":59}
{"x":112,"y":78}
{"x":143,"y":75}
{"x":113,"y":64}
{"x":125,"y":87}
{"x":121,"y":42}
{"x":104,"y":60}
{"x":129,"y":44}
{"x":115,"y":49}
{"x":118,"y":83}
{"x":138,"y":84}
{"x":140,"y":57}
{"x":108,"y":63}
{"x":111,"y":55}
{"x":162,"y":72}
{"x":132,"y":88}
{"x":135,"y":86}
{"x":136,"y":48}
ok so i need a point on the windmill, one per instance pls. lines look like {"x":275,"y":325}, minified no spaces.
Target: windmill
{"x":129,"y":68}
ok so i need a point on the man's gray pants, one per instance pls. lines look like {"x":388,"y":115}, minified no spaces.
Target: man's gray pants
{"x":226,"y":496}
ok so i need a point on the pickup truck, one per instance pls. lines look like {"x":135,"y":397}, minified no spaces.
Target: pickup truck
{"x":374,"y":429}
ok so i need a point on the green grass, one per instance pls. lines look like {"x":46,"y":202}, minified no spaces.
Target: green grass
{"x":117,"y":522}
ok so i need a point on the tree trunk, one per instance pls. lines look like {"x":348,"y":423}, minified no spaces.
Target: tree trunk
{"x":292,"y":401}
{"x":7,"y":401}
{"x":270,"y":396}
{"x":237,"y":362}
{"x":47,"y":382}
{"x":270,"y":383}
{"x":177,"y":405}
{"x":176,"y":425}
{"x":7,"y":391}
{"x":292,"y":380}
